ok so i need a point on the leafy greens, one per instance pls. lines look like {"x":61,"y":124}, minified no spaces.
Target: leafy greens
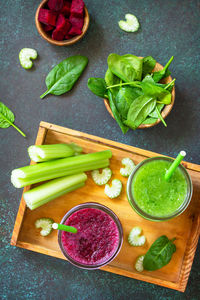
{"x":63,"y":76}
{"x":135,"y":95}
{"x":7,"y":118}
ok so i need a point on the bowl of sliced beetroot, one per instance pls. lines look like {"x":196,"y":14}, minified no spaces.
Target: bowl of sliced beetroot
{"x":62,"y":22}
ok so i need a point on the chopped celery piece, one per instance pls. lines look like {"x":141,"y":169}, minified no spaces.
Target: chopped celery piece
{"x":134,"y":238}
{"x":115,"y":190}
{"x":25,"y":56}
{"x":130,"y":25}
{"x":55,"y":188}
{"x":139,"y":263}
{"x":77,"y":149}
{"x":61,"y":167}
{"x":48,"y":152}
{"x":103,"y":177}
{"x":45,"y":224}
{"x":129,"y":167}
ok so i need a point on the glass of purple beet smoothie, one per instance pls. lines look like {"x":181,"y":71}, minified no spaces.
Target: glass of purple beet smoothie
{"x":99,"y":237}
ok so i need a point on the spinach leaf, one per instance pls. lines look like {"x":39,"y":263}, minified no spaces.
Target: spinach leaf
{"x":149,"y":120}
{"x":62,"y":77}
{"x":136,"y":63}
{"x":125,"y":97}
{"x":98,"y":87}
{"x":111,"y":79}
{"x":157,"y":76}
{"x":7,"y":118}
{"x":139,"y":110}
{"x":152,"y":90}
{"x":159,"y":254}
{"x":154,"y":113}
{"x":116,"y":113}
{"x":148,"y":65}
{"x":121,"y":67}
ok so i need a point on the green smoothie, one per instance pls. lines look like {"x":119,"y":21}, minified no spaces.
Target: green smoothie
{"x":153,"y":194}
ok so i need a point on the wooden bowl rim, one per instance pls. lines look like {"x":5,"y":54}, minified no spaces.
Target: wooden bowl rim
{"x":167,"y":108}
{"x":64,"y":42}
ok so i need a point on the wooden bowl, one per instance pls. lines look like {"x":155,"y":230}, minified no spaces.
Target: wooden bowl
{"x":166,"y":110}
{"x":47,"y":35}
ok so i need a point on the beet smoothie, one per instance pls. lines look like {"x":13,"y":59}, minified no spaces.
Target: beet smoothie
{"x":97,"y":238}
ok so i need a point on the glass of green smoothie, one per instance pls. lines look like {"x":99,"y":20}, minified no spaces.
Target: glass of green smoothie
{"x":152,"y":196}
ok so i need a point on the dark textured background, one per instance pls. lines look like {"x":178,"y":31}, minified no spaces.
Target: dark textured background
{"x":167,"y":28}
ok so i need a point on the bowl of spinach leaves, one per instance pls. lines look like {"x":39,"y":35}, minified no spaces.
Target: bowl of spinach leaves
{"x":138,"y":92}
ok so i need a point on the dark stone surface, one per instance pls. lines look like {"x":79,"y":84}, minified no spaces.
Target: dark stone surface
{"x":167,"y":28}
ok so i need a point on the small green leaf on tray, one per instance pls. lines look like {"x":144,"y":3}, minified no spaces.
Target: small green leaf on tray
{"x":25,"y":56}
{"x":7,"y":118}
{"x":63,"y":76}
{"x":130,"y":25}
{"x":159,"y":254}
{"x":45,"y":224}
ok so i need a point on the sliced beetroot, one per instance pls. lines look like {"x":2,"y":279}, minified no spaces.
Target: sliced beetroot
{"x":55,"y":5}
{"x":48,"y":28}
{"x":57,"y":35}
{"x":75,"y":31}
{"x":63,"y":24}
{"x":66,"y":8}
{"x":77,"y":8}
{"x":76,"y":22}
{"x":47,"y":17}
{"x":68,"y":37}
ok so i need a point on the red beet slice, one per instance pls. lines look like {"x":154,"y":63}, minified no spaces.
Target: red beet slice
{"x":75,"y":31}
{"x":63,"y":24}
{"x":66,"y":8}
{"x":55,"y":5}
{"x":77,"y":8}
{"x":57,"y":35}
{"x":48,"y":28}
{"x":68,"y":37}
{"x":47,"y":17}
{"x":76,"y":22}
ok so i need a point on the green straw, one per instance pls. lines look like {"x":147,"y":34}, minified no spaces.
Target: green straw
{"x":64,"y":227}
{"x":174,"y":165}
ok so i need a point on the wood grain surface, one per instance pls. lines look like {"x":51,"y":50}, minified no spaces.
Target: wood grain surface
{"x":185,"y":227}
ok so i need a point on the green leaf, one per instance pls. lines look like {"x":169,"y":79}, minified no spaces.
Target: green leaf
{"x":157,"y":76}
{"x":124,"y":99}
{"x":148,"y":65}
{"x":139,"y":110}
{"x":63,"y":76}
{"x":154,"y":113}
{"x":136,"y":63}
{"x":98,"y":86}
{"x":159,"y":254}
{"x":149,"y":120}
{"x":121,"y":67}
{"x":116,"y":113}
{"x":162,"y":95}
{"x":7,"y":118}
{"x":111,"y":79}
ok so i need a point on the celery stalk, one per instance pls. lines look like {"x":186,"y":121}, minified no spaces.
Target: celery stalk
{"x":22,"y":182}
{"x":57,"y":168}
{"x":55,"y":188}
{"x":48,"y":152}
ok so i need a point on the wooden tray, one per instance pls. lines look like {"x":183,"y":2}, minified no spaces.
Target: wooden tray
{"x":185,"y":227}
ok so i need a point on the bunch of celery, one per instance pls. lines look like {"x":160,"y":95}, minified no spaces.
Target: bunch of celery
{"x":70,"y":169}
{"x":48,"y":152}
